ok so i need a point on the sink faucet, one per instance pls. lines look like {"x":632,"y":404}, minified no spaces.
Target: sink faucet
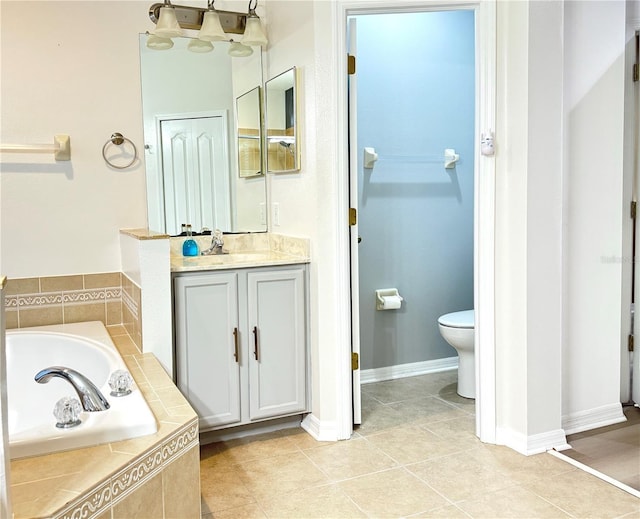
{"x":90,"y":396}
{"x":216,"y":244}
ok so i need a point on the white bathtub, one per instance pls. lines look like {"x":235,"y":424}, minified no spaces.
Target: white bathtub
{"x":87,"y":348}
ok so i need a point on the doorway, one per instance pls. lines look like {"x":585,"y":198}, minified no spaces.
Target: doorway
{"x":484,"y":203}
{"x":414,"y":139}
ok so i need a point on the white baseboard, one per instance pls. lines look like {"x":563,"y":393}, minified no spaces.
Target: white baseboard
{"x":593,"y":418}
{"x":408,"y":370}
{"x":321,"y":431}
{"x":534,"y":444}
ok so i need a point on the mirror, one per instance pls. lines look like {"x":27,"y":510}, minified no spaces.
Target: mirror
{"x":191,"y":143}
{"x":283,"y":147}
{"x":249,"y":133}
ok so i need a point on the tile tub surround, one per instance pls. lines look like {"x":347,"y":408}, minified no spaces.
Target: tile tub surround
{"x":151,"y":476}
{"x":270,"y":249}
{"x":108,"y":297}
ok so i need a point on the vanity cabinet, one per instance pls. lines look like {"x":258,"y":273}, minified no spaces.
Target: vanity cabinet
{"x":241,"y":343}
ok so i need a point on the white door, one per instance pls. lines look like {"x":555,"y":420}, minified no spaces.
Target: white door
{"x":354,"y":237}
{"x":634,"y":358}
{"x":195,"y":173}
{"x":277,"y":343}
{"x":208,"y":356}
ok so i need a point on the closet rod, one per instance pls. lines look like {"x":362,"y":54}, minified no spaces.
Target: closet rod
{"x":61,"y":147}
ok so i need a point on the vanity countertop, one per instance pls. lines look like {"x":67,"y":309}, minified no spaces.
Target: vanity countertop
{"x":242,"y":251}
{"x":234,"y":260}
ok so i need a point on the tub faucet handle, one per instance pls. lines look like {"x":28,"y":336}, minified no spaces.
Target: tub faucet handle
{"x":120,"y":382}
{"x":67,"y":412}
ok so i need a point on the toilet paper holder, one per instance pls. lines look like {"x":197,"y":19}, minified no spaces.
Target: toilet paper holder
{"x":388,"y":299}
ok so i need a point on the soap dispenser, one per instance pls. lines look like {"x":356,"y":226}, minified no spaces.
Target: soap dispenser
{"x":190,"y":247}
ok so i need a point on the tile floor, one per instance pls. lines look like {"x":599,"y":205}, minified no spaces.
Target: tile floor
{"x":413,"y":456}
{"x":613,"y":450}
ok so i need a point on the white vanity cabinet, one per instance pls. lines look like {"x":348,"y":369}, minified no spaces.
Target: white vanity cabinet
{"x":241,"y":343}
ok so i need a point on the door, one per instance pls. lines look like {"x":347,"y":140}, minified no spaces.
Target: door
{"x":353,"y":235}
{"x":195,"y":173}
{"x":277,"y":335}
{"x":207,"y":346}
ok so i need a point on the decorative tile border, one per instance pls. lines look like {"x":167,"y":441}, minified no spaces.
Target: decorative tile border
{"x":57,"y":300}
{"x":130,"y":303}
{"x":136,"y":474}
{"x":94,"y":501}
{"x":32,"y":301}
{"x":182,"y":441}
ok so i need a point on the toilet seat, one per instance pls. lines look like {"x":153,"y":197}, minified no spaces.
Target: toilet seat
{"x":464,"y":319}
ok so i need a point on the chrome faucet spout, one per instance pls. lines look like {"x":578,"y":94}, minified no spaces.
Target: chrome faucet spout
{"x":217,"y":242}
{"x":90,"y":396}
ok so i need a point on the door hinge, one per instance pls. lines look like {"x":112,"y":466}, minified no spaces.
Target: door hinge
{"x":353,"y":216}
{"x":351,"y":64}
{"x":634,"y":208}
{"x":636,"y":65}
{"x":355,"y":361}
{"x":630,"y":342}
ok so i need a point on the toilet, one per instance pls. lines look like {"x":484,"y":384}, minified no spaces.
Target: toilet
{"x":457,"y":329}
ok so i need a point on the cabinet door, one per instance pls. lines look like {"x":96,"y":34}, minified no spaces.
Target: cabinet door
{"x":277,"y":353}
{"x":207,"y":356}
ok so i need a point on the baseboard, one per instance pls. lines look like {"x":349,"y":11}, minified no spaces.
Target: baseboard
{"x":593,"y":418}
{"x":408,"y":370}
{"x":534,"y":444}
{"x":321,"y":431}
{"x":241,"y":431}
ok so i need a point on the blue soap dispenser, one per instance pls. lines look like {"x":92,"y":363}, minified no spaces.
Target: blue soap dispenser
{"x":190,"y":247}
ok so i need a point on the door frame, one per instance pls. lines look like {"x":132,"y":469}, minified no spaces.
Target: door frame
{"x":484,"y":203}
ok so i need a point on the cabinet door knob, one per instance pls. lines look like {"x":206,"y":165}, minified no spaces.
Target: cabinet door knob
{"x":255,"y":342}
{"x":235,"y":344}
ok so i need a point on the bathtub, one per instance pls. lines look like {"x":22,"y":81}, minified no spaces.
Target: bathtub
{"x":87,"y":348}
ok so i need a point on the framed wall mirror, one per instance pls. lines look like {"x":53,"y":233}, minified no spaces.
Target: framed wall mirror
{"x":193,"y":173}
{"x":249,"y":132}
{"x":282,"y":142}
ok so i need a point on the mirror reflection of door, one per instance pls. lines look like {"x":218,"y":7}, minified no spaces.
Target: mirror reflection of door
{"x":195,"y":172}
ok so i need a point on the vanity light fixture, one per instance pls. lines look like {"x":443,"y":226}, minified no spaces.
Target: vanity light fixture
{"x":168,"y":26}
{"x":212,"y":24}
{"x":199,"y":46}
{"x":157,"y":43}
{"x":239,"y":50}
{"x":253,"y":31}
{"x":211,"y":29}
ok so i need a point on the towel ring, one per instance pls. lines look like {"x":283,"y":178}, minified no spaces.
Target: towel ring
{"x":118,"y":139}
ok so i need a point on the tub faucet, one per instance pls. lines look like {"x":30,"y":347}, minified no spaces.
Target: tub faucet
{"x":216,"y":244}
{"x":90,"y":396}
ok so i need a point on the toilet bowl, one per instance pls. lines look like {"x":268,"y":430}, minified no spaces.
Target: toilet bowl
{"x":457,"y":329}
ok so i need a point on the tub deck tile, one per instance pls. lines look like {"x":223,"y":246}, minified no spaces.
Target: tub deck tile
{"x":89,"y":481}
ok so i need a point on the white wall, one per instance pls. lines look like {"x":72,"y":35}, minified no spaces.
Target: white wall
{"x":301,"y":33}
{"x":71,"y":68}
{"x":528,"y":225}
{"x":594,"y":35}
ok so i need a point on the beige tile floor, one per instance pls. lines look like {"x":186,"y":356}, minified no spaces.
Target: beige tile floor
{"x":415,"y":455}
{"x":612,"y":450}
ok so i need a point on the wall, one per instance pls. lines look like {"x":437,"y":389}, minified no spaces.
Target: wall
{"x":593,"y":118}
{"x":415,"y":216}
{"x":304,"y":34}
{"x":80,"y":79}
